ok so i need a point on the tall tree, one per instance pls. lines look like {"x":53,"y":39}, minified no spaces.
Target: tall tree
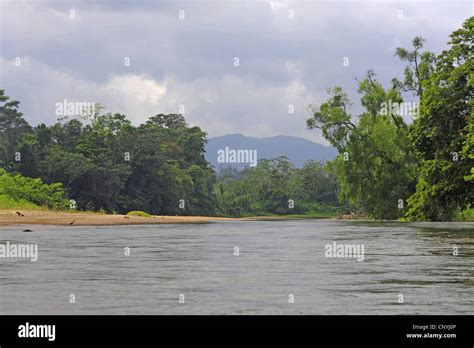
{"x":12,"y":127}
{"x":442,"y":135}
{"x":374,"y":168}
{"x":419,"y":69}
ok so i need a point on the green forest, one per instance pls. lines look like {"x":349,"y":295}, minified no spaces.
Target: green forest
{"x":387,"y":168}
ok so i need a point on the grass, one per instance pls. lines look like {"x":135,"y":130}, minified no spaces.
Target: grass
{"x":7,"y":202}
{"x":138,"y":213}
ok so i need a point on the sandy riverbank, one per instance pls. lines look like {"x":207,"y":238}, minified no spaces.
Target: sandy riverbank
{"x":60,"y":218}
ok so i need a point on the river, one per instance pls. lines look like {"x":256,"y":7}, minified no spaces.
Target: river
{"x":280,"y":267}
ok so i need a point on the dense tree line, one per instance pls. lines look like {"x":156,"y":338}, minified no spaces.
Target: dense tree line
{"x":277,"y":187}
{"x":105,"y":163}
{"x":422,"y":170}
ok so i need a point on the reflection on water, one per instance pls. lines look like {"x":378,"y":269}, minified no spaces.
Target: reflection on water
{"x":275,"y":259}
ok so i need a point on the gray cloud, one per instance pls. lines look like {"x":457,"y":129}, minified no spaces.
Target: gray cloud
{"x":190,"y":61}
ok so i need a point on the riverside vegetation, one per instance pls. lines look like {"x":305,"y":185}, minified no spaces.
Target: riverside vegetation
{"x":387,"y":168}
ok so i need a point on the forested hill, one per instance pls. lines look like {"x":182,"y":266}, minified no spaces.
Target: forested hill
{"x":297,"y":150}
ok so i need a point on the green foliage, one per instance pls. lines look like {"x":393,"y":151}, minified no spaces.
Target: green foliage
{"x":108,"y":164}
{"x":374,"y":169}
{"x":419,"y":69}
{"x":268,"y":188}
{"x":138,"y":213}
{"x":442,"y":136}
{"x":467,"y":152}
{"x":465,"y":215}
{"x":7,"y":202}
{"x":333,"y":118}
{"x":18,"y":191}
{"x":12,"y":127}
{"x":428,"y":164}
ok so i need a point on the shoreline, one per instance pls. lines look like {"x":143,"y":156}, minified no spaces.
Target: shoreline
{"x":80,"y":218}
{"x":77,"y":218}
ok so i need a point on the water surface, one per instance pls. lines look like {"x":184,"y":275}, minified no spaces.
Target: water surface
{"x":277,"y":258}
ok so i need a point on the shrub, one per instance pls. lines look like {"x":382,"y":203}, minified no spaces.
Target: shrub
{"x":138,"y":213}
{"x":23,"y":190}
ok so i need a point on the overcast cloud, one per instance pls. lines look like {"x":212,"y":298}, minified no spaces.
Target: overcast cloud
{"x":190,"y":61}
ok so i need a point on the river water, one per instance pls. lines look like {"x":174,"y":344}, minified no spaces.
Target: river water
{"x":281,"y":268}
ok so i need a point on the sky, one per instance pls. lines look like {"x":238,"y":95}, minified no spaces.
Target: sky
{"x":142,"y":58}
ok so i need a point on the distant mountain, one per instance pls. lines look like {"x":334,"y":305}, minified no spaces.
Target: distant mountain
{"x":224,"y":152}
